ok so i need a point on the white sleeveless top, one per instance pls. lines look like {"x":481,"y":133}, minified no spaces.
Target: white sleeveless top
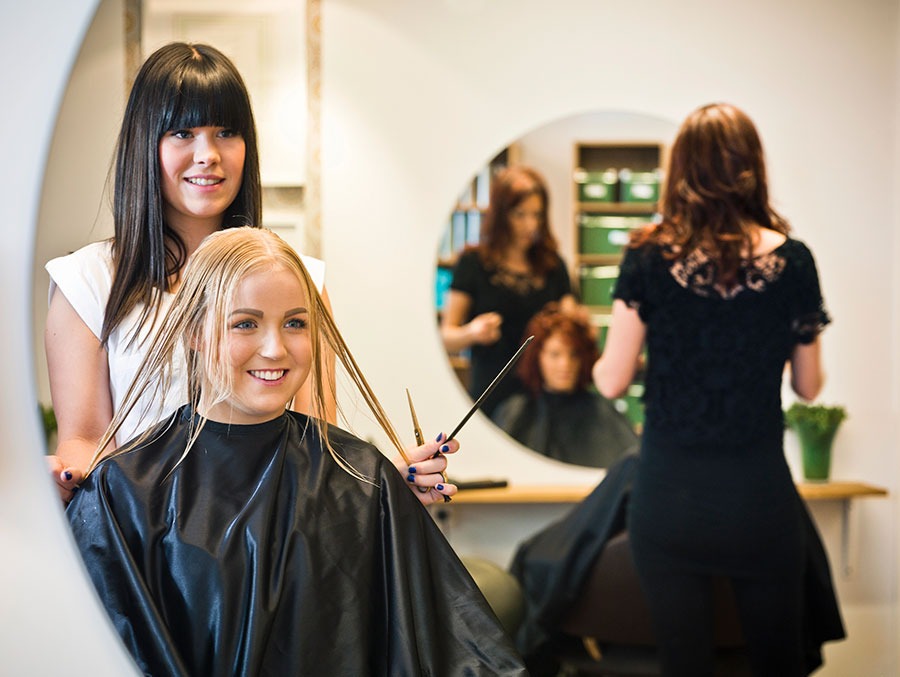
{"x":85,"y":278}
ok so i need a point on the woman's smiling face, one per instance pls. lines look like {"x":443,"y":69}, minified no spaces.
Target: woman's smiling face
{"x":559,"y":364}
{"x":268,"y":347}
{"x":201,"y":169}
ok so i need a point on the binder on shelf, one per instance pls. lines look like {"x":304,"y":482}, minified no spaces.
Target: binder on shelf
{"x":458,"y":231}
{"x":473,"y":227}
{"x":483,"y":187}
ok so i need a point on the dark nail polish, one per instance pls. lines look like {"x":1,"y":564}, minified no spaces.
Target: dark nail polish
{"x":440,"y":437}
{"x":445,"y":448}
{"x":410,"y":478}
{"x":412,"y":470}
{"x":67,"y":475}
{"x":439,"y":487}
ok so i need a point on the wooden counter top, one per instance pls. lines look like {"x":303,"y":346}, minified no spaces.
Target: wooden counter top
{"x":517,"y":494}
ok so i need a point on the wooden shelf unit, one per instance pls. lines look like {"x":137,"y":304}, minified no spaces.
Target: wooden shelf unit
{"x":601,"y":157}
{"x":598,"y":156}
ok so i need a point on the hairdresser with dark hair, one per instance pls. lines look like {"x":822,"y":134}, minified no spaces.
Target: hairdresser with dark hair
{"x":186,"y":166}
{"x":723,"y":298}
{"x":499,"y":285}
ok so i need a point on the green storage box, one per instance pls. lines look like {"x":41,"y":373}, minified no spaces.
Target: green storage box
{"x":606,"y":234}
{"x":639,"y":186}
{"x":596,"y":186}
{"x":602,"y":331}
{"x":597,"y":283}
{"x":601,"y":322}
{"x":630,"y":405}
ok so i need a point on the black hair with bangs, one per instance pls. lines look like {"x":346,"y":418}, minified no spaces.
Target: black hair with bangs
{"x":180,"y":86}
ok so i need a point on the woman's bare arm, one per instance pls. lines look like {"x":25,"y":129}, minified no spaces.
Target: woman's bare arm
{"x":615,"y":369}
{"x":79,"y":387}
{"x":807,"y":376}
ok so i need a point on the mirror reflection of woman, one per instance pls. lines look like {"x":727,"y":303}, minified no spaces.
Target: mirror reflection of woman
{"x":186,"y":166}
{"x":499,"y":285}
{"x":238,"y":538}
{"x":723,"y":298}
{"x":559,"y":416}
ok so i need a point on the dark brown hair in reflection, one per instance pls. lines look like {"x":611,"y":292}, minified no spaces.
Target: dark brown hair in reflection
{"x":561,"y":416}
{"x":509,"y":188}
{"x":569,"y":340}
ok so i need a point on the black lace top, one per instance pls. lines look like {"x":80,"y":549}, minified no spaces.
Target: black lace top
{"x":716,"y":355}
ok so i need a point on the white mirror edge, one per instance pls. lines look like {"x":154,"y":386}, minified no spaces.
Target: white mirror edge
{"x":53,"y":623}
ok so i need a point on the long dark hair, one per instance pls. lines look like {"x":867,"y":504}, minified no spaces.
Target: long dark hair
{"x":510,"y":187}
{"x":179,"y":86}
{"x":715,"y":190}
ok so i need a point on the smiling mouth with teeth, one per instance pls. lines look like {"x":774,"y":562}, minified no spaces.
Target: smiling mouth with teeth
{"x":204,"y":182}
{"x":268,"y":375}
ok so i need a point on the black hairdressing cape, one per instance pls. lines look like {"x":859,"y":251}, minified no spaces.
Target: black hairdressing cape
{"x":259,"y":555}
{"x":553,"y":565}
{"x":582,"y":427}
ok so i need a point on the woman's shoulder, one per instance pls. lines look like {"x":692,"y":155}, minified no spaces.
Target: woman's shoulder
{"x":470,"y":270}
{"x":470,"y":256}
{"x":316,"y":269}
{"x":93,"y":260}
{"x":148,"y":452}
{"x":558,"y":260}
{"x":795,"y":248}
{"x":135,"y":473}
{"x":363,"y":455}
{"x":798,"y":260}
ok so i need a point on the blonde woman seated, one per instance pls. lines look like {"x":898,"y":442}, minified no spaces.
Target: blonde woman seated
{"x":237,"y":537}
{"x":560,"y":416}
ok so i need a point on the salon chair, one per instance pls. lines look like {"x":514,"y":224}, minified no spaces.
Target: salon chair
{"x":612,"y":622}
{"x":500,"y":589}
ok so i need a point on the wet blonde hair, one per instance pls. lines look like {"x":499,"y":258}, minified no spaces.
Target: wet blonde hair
{"x":199,"y":316}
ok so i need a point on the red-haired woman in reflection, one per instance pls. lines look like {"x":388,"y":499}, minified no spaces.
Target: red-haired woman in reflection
{"x":723,"y":298}
{"x":499,"y":285}
{"x":560,"y":416}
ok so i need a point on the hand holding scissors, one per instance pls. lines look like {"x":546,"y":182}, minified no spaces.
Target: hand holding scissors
{"x":421,"y":471}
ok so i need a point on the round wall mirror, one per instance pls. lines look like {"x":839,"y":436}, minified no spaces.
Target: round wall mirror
{"x":532,"y":247}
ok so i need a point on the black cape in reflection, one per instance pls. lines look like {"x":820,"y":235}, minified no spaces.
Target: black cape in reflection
{"x":259,"y":555}
{"x":583,"y":427}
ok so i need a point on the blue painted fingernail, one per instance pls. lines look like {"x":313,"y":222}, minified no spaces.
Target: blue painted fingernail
{"x":410,"y":478}
{"x":67,"y":475}
{"x":440,"y":437}
{"x":445,"y":448}
{"x":412,"y":470}
{"x":439,"y":487}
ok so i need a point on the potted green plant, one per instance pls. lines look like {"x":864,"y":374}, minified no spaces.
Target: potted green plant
{"x":48,"y":417}
{"x":815,"y":425}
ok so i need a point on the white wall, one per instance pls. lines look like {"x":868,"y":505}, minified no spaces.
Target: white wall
{"x":417,"y":95}
{"x":75,"y":205}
